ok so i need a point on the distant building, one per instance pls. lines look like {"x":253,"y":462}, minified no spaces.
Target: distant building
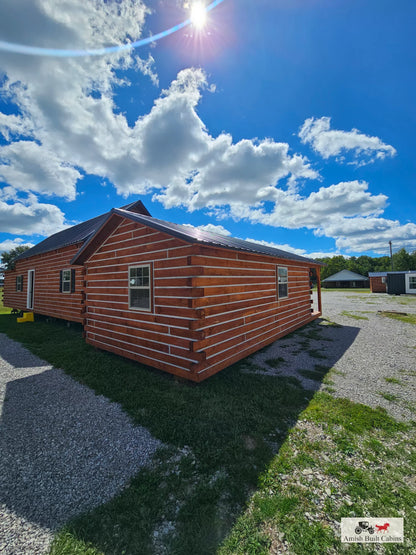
{"x":346,"y":279}
{"x":378,"y":282}
{"x":394,"y":283}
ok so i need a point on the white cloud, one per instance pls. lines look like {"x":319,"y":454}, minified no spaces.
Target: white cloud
{"x":327,"y":204}
{"x":30,"y":217}
{"x":65,"y":105}
{"x":27,"y":166}
{"x":10,"y":244}
{"x":332,"y":142}
{"x":370,"y":234}
{"x":212,"y":228}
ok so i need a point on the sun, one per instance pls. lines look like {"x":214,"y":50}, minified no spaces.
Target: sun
{"x":198,"y":15}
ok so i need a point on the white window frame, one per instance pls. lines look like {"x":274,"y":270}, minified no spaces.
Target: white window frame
{"x":19,"y":283}
{"x":66,"y":281}
{"x":410,"y":279}
{"x":282,"y":280}
{"x":142,"y":287}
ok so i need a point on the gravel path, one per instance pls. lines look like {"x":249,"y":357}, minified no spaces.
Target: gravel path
{"x":63,"y":450}
{"x":366,"y":349}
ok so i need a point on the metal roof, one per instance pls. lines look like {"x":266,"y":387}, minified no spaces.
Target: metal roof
{"x":209,"y":238}
{"x":346,"y":275}
{"x":384,"y":274}
{"x":76,"y":234}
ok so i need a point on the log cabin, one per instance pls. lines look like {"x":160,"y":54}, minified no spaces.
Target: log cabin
{"x":173,"y":297}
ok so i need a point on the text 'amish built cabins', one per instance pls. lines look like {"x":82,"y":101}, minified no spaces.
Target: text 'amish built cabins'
{"x":174,"y":297}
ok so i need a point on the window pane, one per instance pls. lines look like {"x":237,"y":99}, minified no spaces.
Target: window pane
{"x":66,"y":275}
{"x":66,"y":286}
{"x":282,"y":290}
{"x":282,"y":272}
{"x":412,"y":282}
{"x":139,"y":298}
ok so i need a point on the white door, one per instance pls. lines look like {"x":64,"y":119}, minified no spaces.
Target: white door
{"x":30,"y":288}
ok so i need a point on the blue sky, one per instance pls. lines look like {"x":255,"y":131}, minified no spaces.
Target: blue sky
{"x":285,"y":121}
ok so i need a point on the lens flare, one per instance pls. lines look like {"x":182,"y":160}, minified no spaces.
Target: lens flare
{"x":61,"y":53}
{"x":198,"y":15}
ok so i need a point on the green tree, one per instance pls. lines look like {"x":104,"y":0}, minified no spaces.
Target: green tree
{"x":8,"y":258}
{"x":332,"y":265}
{"x":412,"y":261}
{"x":401,"y":260}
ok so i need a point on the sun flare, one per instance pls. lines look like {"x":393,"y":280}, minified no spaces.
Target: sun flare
{"x":198,"y":15}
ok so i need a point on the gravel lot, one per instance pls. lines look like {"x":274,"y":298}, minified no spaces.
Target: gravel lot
{"x":63,"y":450}
{"x":366,"y":349}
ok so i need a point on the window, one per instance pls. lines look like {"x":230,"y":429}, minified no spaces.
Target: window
{"x":383,"y":280}
{"x":282,"y":283}
{"x":412,"y":282}
{"x":67,"y":281}
{"x":139,"y":288}
{"x":19,"y":283}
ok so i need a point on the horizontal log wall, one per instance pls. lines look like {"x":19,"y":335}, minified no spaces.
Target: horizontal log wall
{"x":239,"y":309}
{"x":48,"y":300}
{"x":161,"y":337}
{"x":210,"y":306}
{"x":377,"y":285}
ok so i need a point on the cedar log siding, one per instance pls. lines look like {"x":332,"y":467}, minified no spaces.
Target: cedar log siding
{"x":160,"y":337}
{"x":210,"y":306}
{"x":47,"y":300}
{"x":377,"y":285}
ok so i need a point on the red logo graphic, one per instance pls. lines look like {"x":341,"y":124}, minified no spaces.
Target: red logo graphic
{"x":383,"y":527}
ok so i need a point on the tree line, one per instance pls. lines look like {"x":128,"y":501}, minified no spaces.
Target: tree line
{"x":402,"y":260}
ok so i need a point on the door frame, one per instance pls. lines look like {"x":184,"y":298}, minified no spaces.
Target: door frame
{"x":30,"y":289}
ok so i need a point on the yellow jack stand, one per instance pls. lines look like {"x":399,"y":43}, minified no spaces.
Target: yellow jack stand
{"x":27,"y":317}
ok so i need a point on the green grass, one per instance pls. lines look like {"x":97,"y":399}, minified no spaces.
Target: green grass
{"x":409,"y":318}
{"x":233,"y":477}
{"x":275,"y":362}
{"x":388,"y":396}
{"x":365,"y":458}
{"x":346,"y":289}
{"x":394,"y":381}
{"x":354,"y":316}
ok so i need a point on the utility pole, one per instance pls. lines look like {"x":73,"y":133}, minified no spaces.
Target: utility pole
{"x":391,"y":256}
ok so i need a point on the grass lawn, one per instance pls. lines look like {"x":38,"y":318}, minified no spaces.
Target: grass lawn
{"x":347,"y":289}
{"x":3,"y":309}
{"x":250,"y":462}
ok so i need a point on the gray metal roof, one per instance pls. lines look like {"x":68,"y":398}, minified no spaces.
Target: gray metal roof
{"x":377,"y":274}
{"x":209,"y":238}
{"x":346,"y":275}
{"x":76,"y":234}
{"x":384,"y":274}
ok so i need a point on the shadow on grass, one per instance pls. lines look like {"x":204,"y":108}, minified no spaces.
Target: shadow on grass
{"x":220,"y":436}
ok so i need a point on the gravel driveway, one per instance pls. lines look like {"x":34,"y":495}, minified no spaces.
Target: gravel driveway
{"x":372,"y":355}
{"x":63,"y":450}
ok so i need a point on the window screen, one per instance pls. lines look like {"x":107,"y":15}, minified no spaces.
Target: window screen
{"x":282,"y":283}
{"x":139,"y":288}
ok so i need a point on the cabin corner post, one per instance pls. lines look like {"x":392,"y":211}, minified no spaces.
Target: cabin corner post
{"x":318,"y":284}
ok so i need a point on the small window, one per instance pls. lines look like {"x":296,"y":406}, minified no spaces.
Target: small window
{"x":383,"y":280}
{"x":19,"y":283}
{"x":139,"y":288}
{"x":67,"y":281}
{"x":282,"y":283}
{"x":412,"y":282}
